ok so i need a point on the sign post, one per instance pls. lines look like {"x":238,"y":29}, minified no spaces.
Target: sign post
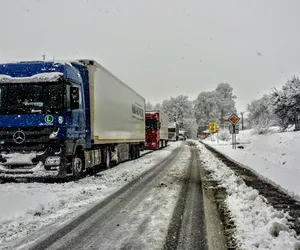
{"x":234,"y":128}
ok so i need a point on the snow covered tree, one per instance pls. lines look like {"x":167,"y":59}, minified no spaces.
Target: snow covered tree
{"x":177,"y":108}
{"x":206,"y":107}
{"x":180,"y":109}
{"x":191,"y":126}
{"x":225,"y":99}
{"x":286,"y":103}
{"x":260,"y":115}
{"x":213,"y":105}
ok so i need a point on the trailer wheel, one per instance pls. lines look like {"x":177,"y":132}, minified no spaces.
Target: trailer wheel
{"x":131,"y":153}
{"x":78,"y":164}
{"x":107,"y":157}
{"x":138,"y":152}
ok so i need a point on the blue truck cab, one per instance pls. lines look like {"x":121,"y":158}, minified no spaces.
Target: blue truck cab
{"x":44,"y":125}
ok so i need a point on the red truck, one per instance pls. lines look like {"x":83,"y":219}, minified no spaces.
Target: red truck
{"x":157,"y":124}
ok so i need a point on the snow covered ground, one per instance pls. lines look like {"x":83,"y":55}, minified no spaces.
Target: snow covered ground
{"x":274,"y":156}
{"x":258,"y":225}
{"x":27,"y":207}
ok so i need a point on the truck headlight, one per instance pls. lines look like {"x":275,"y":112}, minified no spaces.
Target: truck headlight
{"x":52,"y":161}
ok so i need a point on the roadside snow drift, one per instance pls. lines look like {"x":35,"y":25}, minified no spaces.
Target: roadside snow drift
{"x":258,"y":225}
{"x":27,"y":207}
{"x":274,"y":156}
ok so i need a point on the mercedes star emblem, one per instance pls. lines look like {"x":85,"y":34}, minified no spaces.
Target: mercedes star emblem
{"x":19,"y":137}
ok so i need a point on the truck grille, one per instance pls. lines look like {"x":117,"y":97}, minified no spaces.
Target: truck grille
{"x":25,"y":139}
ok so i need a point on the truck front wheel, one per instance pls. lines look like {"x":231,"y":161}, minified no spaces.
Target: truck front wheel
{"x":78,"y":164}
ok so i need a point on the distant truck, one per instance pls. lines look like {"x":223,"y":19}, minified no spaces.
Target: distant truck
{"x":173,"y":131}
{"x":156,"y":129}
{"x":62,"y":118}
{"x":182,"y":135}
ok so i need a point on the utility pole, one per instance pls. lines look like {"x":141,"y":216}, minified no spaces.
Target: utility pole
{"x":242,"y":113}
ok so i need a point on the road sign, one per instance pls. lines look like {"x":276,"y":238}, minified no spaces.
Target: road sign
{"x":234,"y":119}
{"x":234,"y":129}
{"x":212,"y":127}
{"x":231,"y":129}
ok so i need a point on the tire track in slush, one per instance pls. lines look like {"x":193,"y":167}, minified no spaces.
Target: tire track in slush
{"x":187,"y":229}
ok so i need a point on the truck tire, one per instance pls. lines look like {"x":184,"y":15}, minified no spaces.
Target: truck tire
{"x":132,"y":152}
{"x":107,"y":158}
{"x":78,"y":164}
{"x":138,"y":151}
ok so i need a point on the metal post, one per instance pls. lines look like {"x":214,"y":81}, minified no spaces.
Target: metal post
{"x":233,"y":136}
{"x":234,"y":141}
{"x":242,"y":113}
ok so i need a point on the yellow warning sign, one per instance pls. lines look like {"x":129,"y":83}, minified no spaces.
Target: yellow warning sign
{"x":212,"y":127}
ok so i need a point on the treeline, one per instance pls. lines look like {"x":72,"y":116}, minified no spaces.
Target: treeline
{"x":194,"y":115}
{"x":278,"y":108}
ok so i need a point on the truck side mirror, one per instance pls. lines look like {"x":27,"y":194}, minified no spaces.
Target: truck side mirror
{"x":159,"y":125}
{"x":74,"y":98}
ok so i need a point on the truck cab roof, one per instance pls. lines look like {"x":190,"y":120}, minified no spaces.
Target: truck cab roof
{"x":38,"y":71}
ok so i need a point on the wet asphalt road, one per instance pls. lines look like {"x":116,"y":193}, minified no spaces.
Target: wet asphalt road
{"x":122,"y":221}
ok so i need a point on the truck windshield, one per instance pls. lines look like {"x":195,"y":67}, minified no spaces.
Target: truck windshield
{"x":151,"y":124}
{"x":27,"y":98}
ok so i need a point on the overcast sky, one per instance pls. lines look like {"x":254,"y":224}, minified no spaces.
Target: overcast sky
{"x":163,"y":48}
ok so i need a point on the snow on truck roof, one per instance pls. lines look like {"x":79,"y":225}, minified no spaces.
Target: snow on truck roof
{"x":56,"y":63}
{"x":37,"y":71}
{"x":43,"y":77}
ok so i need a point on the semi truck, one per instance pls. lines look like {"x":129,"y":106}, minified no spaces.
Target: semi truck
{"x":182,"y":135}
{"x":156,"y":130}
{"x":61,"y":119}
{"x":173,"y":131}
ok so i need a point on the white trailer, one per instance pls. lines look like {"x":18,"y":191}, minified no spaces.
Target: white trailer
{"x":164,"y":125}
{"x":117,"y":114}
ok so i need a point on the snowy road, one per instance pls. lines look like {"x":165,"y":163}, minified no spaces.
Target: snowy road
{"x":28,"y":209}
{"x":163,"y":209}
{"x":187,"y":228}
{"x":121,"y":221}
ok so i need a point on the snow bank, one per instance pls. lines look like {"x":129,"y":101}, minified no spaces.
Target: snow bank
{"x":43,"y":77}
{"x":274,"y":156}
{"x":258,"y":225}
{"x":27,"y":207}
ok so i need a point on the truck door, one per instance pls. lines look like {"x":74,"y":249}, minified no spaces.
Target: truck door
{"x":77,"y":126}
